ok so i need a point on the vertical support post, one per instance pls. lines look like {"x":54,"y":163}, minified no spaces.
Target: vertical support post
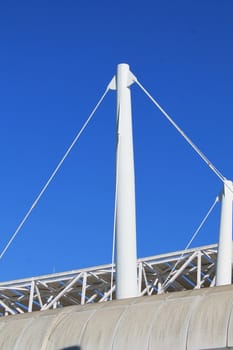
{"x":140,"y":267}
{"x":198,"y":285}
{"x":84,"y":287}
{"x":224,"y":259}
{"x":31,"y":296}
{"x":126,"y":255}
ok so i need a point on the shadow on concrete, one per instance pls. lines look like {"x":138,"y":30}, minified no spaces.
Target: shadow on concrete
{"x":72,"y":348}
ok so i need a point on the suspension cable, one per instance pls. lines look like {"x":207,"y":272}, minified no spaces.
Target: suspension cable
{"x":54,"y":173}
{"x":182,"y":133}
{"x":166,"y":282}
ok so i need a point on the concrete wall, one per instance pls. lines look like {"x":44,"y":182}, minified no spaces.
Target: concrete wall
{"x":198,"y":319}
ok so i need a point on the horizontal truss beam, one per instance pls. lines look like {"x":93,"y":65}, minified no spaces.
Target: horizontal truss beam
{"x":182,"y":270}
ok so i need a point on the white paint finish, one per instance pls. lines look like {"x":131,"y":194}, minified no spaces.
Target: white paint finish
{"x":8,"y":310}
{"x":224,"y":259}
{"x":57,"y":297}
{"x":95,"y":283}
{"x":199,"y":270}
{"x":126,"y":252}
{"x":31,"y":296}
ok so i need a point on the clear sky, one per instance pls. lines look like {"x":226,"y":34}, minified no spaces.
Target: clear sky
{"x":56,"y":59}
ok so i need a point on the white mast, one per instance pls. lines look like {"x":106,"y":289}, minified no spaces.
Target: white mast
{"x":126,"y":251}
{"x":224,"y":259}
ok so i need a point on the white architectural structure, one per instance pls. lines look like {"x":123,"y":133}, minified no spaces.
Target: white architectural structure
{"x":126,"y":251}
{"x":200,"y":319}
{"x":190,"y":319}
{"x":224,"y":261}
{"x":195,"y":269}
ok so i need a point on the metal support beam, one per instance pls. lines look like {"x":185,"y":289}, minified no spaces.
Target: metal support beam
{"x":178,"y":272}
{"x":94,"y":284}
{"x":224,"y":259}
{"x":140,"y":268}
{"x":126,"y":255}
{"x":31,"y":295}
{"x":57,"y":297}
{"x":83,"y":297}
{"x":7,"y":308}
{"x":198,"y":270}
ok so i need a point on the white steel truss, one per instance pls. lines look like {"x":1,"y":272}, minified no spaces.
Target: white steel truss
{"x":177,"y":271}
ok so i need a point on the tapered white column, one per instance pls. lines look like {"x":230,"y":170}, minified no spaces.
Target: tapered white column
{"x":126,"y":255}
{"x":224,"y":259}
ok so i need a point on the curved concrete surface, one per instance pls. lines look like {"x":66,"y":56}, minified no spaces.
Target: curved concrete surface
{"x":198,"y":319}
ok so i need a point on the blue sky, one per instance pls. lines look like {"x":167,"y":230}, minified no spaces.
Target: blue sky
{"x":56,"y":60}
